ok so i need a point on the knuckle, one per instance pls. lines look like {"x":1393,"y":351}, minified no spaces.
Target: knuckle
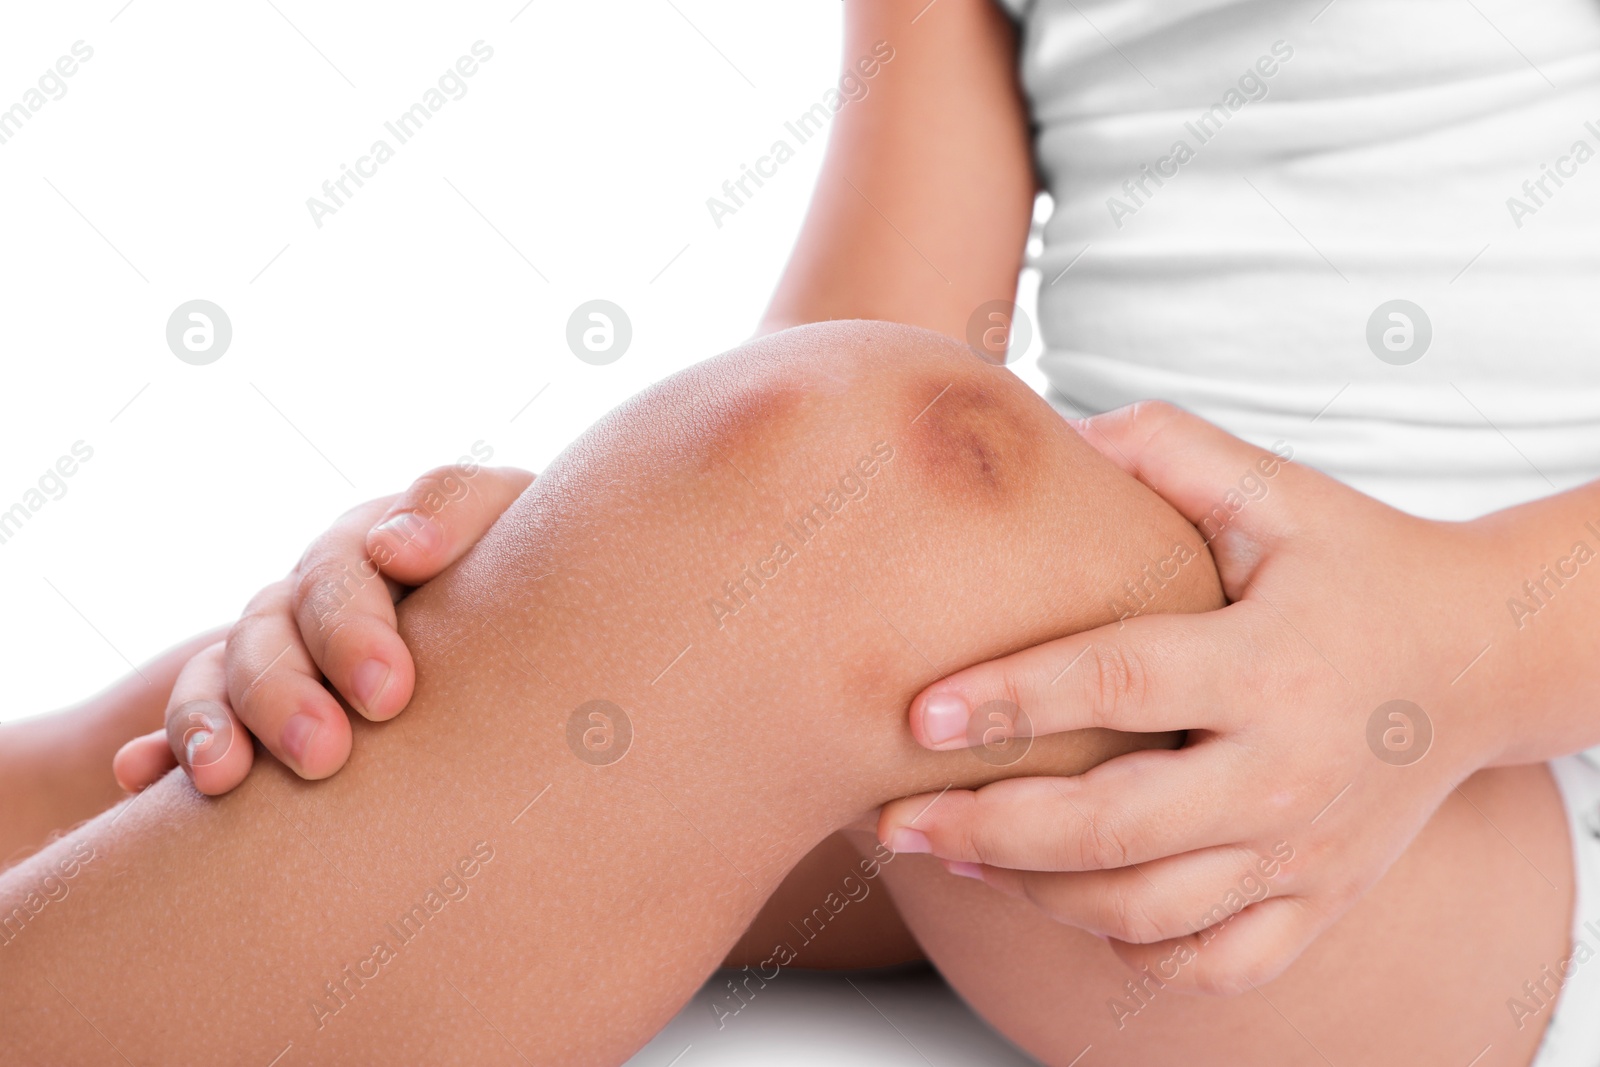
{"x":1130,"y":917}
{"x":440,"y":486}
{"x":339,"y":629}
{"x":323,"y":545}
{"x":1016,"y":688}
{"x":1100,"y":844}
{"x":1157,"y":411}
{"x":326,"y":587}
{"x":1117,"y":680}
{"x":266,"y":607}
{"x":1151,"y":418}
{"x":250,"y":699}
{"x":970,"y":833}
{"x":1152,"y":422}
{"x":969,"y":841}
{"x":1029,"y":687}
{"x":239,"y":632}
{"x":1009,"y":684}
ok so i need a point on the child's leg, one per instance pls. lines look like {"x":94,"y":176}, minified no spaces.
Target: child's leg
{"x":755,"y":566}
{"x":932,"y":512}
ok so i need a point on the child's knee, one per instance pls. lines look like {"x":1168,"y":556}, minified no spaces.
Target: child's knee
{"x":836,"y":403}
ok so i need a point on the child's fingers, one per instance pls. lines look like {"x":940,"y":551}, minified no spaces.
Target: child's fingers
{"x":203,"y":733}
{"x":1144,"y":905}
{"x":344,"y":611}
{"x":444,"y":513}
{"x":275,"y":688}
{"x":141,"y":762}
{"x":1137,"y":808}
{"x":1237,"y":954}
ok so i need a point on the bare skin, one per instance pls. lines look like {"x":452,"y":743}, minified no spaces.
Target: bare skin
{"x":1418,"y":972}
{"x":55,"y":770}
{"x":941,"y":141}
{"x":597,"y":905}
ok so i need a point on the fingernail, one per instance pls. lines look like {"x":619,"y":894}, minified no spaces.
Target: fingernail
{"x":297,"y":735}
{"x":369,"y":680}
{"x":412,"y":528}
{"x":207,"y":732}
{"x":944,"y":717}
{"x":963,"y":869}
{"x":194,"y":745}
{"x":906,"y":839}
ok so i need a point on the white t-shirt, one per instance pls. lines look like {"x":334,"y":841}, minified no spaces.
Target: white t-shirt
{"x":1241,"y":187}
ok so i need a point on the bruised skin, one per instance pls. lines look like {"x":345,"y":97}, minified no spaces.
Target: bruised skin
{"x":614,"y":888}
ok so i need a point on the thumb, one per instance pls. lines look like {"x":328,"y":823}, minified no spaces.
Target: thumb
{"x":1203,"y":471}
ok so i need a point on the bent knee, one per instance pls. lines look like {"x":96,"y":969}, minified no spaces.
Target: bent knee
{"x":971,"y":444}
{"x":932,"y":456}
{"x":858,"y":395}
{"x":813,"y":418}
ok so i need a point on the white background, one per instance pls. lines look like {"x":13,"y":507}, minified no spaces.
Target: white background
{"x":412,"y":324}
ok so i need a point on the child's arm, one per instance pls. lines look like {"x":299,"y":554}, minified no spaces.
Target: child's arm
{"x":55,"y":770}
{"x":921,"y":212}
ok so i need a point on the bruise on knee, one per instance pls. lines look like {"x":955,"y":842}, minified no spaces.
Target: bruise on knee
{"x":975,"y":438}
{"x":718,"y":415}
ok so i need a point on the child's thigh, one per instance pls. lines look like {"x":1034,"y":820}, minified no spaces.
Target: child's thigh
{"x":1420,"y":971}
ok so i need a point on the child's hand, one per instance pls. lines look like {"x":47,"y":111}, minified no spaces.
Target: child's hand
{"x":330,"y":623}
{"x":1300,"y":782}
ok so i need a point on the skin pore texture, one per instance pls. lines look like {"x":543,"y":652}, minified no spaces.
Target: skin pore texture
{"x":470,"y":890}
